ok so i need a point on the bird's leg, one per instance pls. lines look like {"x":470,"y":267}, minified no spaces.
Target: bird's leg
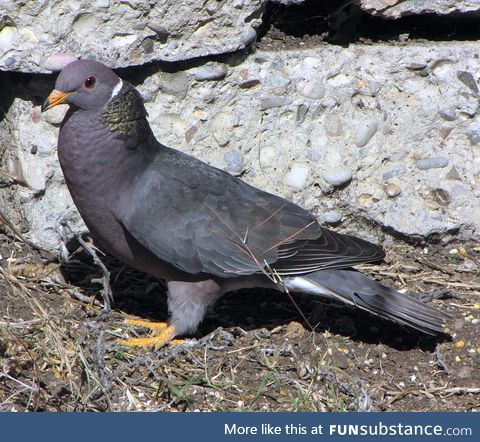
{"x":187,"y":302}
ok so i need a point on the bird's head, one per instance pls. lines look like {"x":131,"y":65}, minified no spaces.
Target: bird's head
{"x":85,"y":84}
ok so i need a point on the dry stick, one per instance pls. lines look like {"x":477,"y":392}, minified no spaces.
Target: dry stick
{"x":16,"y":232}
{"x":434,"y":266}
{"x":105,"y":281}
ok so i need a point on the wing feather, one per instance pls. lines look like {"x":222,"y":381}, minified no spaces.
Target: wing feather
{"x":203,"y":220}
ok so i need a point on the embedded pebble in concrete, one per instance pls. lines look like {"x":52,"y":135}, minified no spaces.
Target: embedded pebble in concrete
{"x":175,"y":84}
{"x":85,"y":24}
{"x":333,"y":125}
{"x":432,"y":163}
{"x":468,"y":80}
{"x":332,"y":217}
{"x":210,"y":72}
{"x":296,"y":178}
{"x":222,"y":125}
{"x":365,"y":132}
{"x":338,"y":177}
{"x":233,"y":161}
{"x":267,"y":156}
{"x":8,"y":36}
{"x":58,"y":61}
{"x":248,"y":35}
{"x":453,"y":175}
{"x":301,"y":113}
{"x":399,"y":171}
{"x":277,"y":80}
{"x":473,"y":134}
{"x":36,"y":114}
{"x":55,"y":115}
{"x":392,"y":190}
{"x":448,"y":114}
{"x":313,"y":88}
{"x":272,"y":101}
{"x":10,"y":61}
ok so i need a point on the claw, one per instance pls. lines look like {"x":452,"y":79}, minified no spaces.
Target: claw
{"x":162,"y":333}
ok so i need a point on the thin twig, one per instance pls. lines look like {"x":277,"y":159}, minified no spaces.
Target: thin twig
{"x":105,"y":281}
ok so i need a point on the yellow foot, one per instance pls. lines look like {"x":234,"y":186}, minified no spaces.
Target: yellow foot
{"x":162,"y":333}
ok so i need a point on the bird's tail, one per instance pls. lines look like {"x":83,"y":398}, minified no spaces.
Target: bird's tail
{"x":354,"y":288}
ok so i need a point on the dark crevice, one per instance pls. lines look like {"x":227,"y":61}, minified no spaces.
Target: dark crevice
{"x":331,"y":21}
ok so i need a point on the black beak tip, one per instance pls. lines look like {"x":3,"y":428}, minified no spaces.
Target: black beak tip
{"x":45,"y":105}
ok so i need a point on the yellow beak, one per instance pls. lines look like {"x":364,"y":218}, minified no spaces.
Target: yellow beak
{"x":54,"y":99}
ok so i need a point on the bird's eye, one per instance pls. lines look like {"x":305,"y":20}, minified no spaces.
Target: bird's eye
{"x":89,"y":82}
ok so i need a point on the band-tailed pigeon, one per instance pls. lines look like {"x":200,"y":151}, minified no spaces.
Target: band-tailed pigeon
{"x":202,"y":230}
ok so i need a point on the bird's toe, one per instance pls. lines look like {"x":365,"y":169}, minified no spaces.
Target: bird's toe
{"x":162,"y":333}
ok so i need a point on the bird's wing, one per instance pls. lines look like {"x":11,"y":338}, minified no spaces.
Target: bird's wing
{"x":203,"y":220}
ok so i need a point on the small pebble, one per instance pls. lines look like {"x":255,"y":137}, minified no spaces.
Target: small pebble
{"x":366,"y":200}
{"x":464,"y":372}
{"x":55,"y":115}
{"x":295,"y":330}
{"x":393,"y":172}
{"x":234,"y":162}
{"x":332,"y":217}
{"x":160,"y":30}
{"x":338,"y":177}
{"x":273,"y":101}
{"x":416,"y":66}
{"x":296,"y":178}
{"x":365,"y":132}
{"x":210,"y":72}
{"x":57,"y":62}
{"x":313,"y":88}
{"x":278,"y":80}
{"x":468,"y":80}
{"x":432,"y":163}
{"x":432,"y":205}
{"x":248,"y":35}
{"x":190,"y":133}
{"x":339,"y":360}
{"x":36,"y":113}
{"x":301,"y":113}
{"x":453,"y":175}
{"x":333,"y":126}
{"x":10,"y":61}
{"x":459,"y":344}
{"x":8,"y":36}
{"x":392,"y":190}
{"x":474,"y":136}
{"x":447,"y":114}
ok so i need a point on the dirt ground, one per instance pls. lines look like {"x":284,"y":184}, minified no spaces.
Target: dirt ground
{"x":254,"y":352}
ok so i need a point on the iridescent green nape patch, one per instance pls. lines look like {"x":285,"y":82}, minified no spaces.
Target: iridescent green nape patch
{"x":126,"y":116}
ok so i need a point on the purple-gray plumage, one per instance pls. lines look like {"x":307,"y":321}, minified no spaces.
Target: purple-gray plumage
{"x":202,"y":230}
